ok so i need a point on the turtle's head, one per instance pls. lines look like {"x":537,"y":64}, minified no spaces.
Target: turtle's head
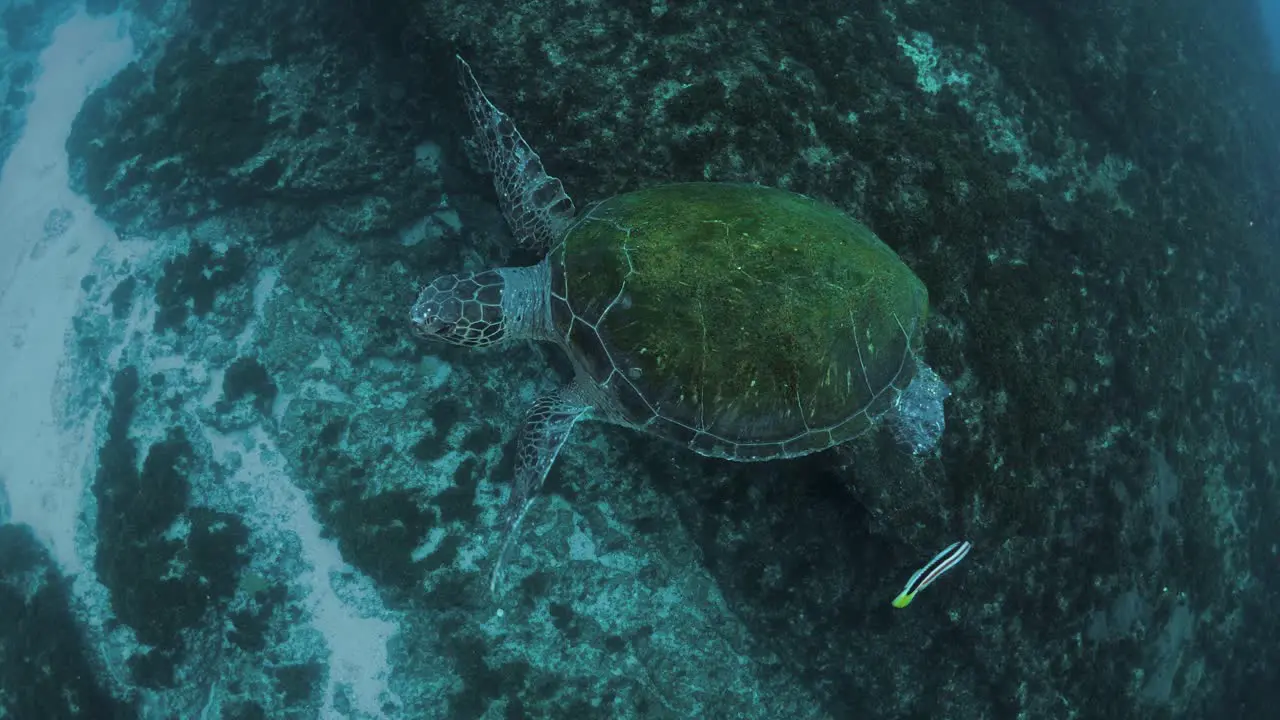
{"x":463,"y":309}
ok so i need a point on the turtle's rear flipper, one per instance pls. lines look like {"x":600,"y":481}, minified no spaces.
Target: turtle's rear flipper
{"x":546,"y":428}
{"x":917,"y":417}
{"x":534,"y":203}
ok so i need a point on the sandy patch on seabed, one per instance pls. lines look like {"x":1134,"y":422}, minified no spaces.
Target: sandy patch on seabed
{"x":49,"y":240}
{"x":49,"y":237}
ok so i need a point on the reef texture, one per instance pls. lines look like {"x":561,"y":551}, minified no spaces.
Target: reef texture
{"x":1086,"y":187}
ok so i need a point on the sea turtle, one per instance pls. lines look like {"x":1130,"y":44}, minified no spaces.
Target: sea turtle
{"x":741,"y":321}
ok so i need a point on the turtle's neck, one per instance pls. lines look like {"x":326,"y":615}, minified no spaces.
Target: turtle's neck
{"x":526,"y":310}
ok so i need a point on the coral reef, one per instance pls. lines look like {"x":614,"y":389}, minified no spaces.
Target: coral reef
{"x":1087,"y":189}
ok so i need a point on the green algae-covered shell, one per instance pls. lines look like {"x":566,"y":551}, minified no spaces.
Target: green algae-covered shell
{"x":746,"y":322}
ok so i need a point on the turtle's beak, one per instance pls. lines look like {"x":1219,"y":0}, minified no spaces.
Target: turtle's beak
{"x":430,"y":331}
{"x":437,"y":316}
{"x":427,"y":325}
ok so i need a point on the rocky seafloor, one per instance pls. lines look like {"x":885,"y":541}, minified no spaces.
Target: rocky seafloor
{"x":291,"y":504}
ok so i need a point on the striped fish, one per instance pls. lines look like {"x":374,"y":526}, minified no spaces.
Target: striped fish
{"x":932,"y":570}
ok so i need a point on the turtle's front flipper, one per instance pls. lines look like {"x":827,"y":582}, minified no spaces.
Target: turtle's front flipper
{"x":534,"y":203}
{"x":546,"y":428}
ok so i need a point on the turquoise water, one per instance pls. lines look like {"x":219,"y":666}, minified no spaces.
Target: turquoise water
{"x":1271,"y":18}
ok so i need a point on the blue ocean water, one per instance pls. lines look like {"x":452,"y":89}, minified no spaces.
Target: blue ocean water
{"x":455,"y":359}
{"x":1271,"y":20}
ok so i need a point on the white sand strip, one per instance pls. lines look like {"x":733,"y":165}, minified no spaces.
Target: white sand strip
{"x":43,"y":468}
